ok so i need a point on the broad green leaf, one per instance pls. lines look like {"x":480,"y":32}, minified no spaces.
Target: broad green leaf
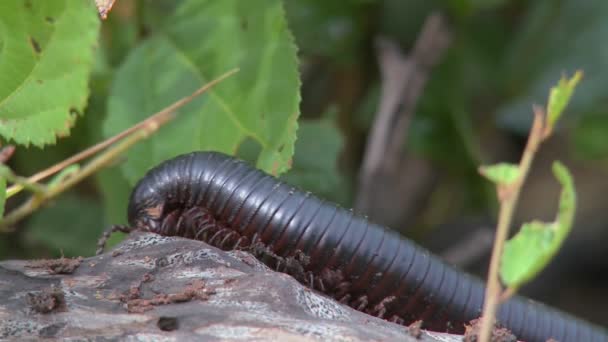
{"x":315,"y":163}
{"x":501,"y":173}
{"x":560,"y":96}
{"x":531,"y":249}
{"x":46,"y":54}
{"x":2,"y":195}
{"x":72,"y":226}
{"x":200,"y":41}
{"x":526,"y":253}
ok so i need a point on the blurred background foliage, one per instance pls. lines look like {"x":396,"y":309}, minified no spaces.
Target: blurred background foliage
{"x":476,"y":109}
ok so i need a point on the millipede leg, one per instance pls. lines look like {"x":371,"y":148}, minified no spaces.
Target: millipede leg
{"x":300,"y":257}
{"x":101,"y":243}
{"x":278,"y":265}
{"x":239,"y":242}
{"x":180,"y":225}
{"x":255,"y":239}
{"x":345,"y":299}
{"x":361,"y":303}
{"x":168,"y":223}
{"x":201,"y":233}
{"x":227,"y":238}
{"x":215,"y":236}
{"x":311,"y":280}
{"x":396,"y":319}
{"x":320,"y":284}
{"x":343,"y":289}
{"x":194,"y":217}
{"x":380,"y":309}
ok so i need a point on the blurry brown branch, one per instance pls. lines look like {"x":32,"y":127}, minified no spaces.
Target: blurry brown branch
{"x":390,"y":181}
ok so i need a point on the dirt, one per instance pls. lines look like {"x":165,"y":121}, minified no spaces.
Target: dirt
{"x":57,"y":266}
{"x":195,"y":291}
{"x":47,"y":301}
{"x":471,"y":333}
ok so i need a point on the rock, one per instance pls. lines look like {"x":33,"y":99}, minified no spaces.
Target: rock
{"x":159,"y":288}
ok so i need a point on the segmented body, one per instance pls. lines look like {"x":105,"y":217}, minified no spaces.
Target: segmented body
{"x":224,"y":201}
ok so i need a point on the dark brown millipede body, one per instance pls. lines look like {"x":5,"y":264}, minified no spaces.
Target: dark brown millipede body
{"x":224,"y":201}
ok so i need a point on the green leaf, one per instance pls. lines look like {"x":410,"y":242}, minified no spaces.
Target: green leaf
{"x":501,"y":173}
{"x":560,"y":96}
{"x":567,"y":202}
{"x":531,"y":249}
{"x":70,"y":226}
{"x":200,"y":41}
{"x":315,"y":163}
{"x":46,"y":55}
{"x":2,"y":195}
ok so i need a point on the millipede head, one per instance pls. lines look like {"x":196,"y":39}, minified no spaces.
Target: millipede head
{"x":149,"y":219}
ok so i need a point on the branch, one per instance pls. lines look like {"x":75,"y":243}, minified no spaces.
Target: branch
{"x":403,"y":80}
{"x":155,"y":288}
{"x":508,"y":199}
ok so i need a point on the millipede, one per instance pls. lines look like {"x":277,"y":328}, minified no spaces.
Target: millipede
{"x":226,"y":202}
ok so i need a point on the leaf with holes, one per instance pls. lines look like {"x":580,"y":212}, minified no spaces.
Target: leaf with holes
{"x":531,"y":249}
{"x":46,"y":55}
{"x":200,"y":41}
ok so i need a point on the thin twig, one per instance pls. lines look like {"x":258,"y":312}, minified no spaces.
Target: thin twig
{"x":506,"y":294}
{"x":10,"y":176}
{"x":508,"y":204}
{"x":132,"y":135}
{"x":102,"y":145}
{"x":36,"y":201}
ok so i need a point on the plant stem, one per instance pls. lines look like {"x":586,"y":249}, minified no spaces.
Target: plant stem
{"x":505,"y":216}
{"x":36,"y":201}
{"x":102,"y":145}
{"x":10,"y":176}
{"x":131,"y":136}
